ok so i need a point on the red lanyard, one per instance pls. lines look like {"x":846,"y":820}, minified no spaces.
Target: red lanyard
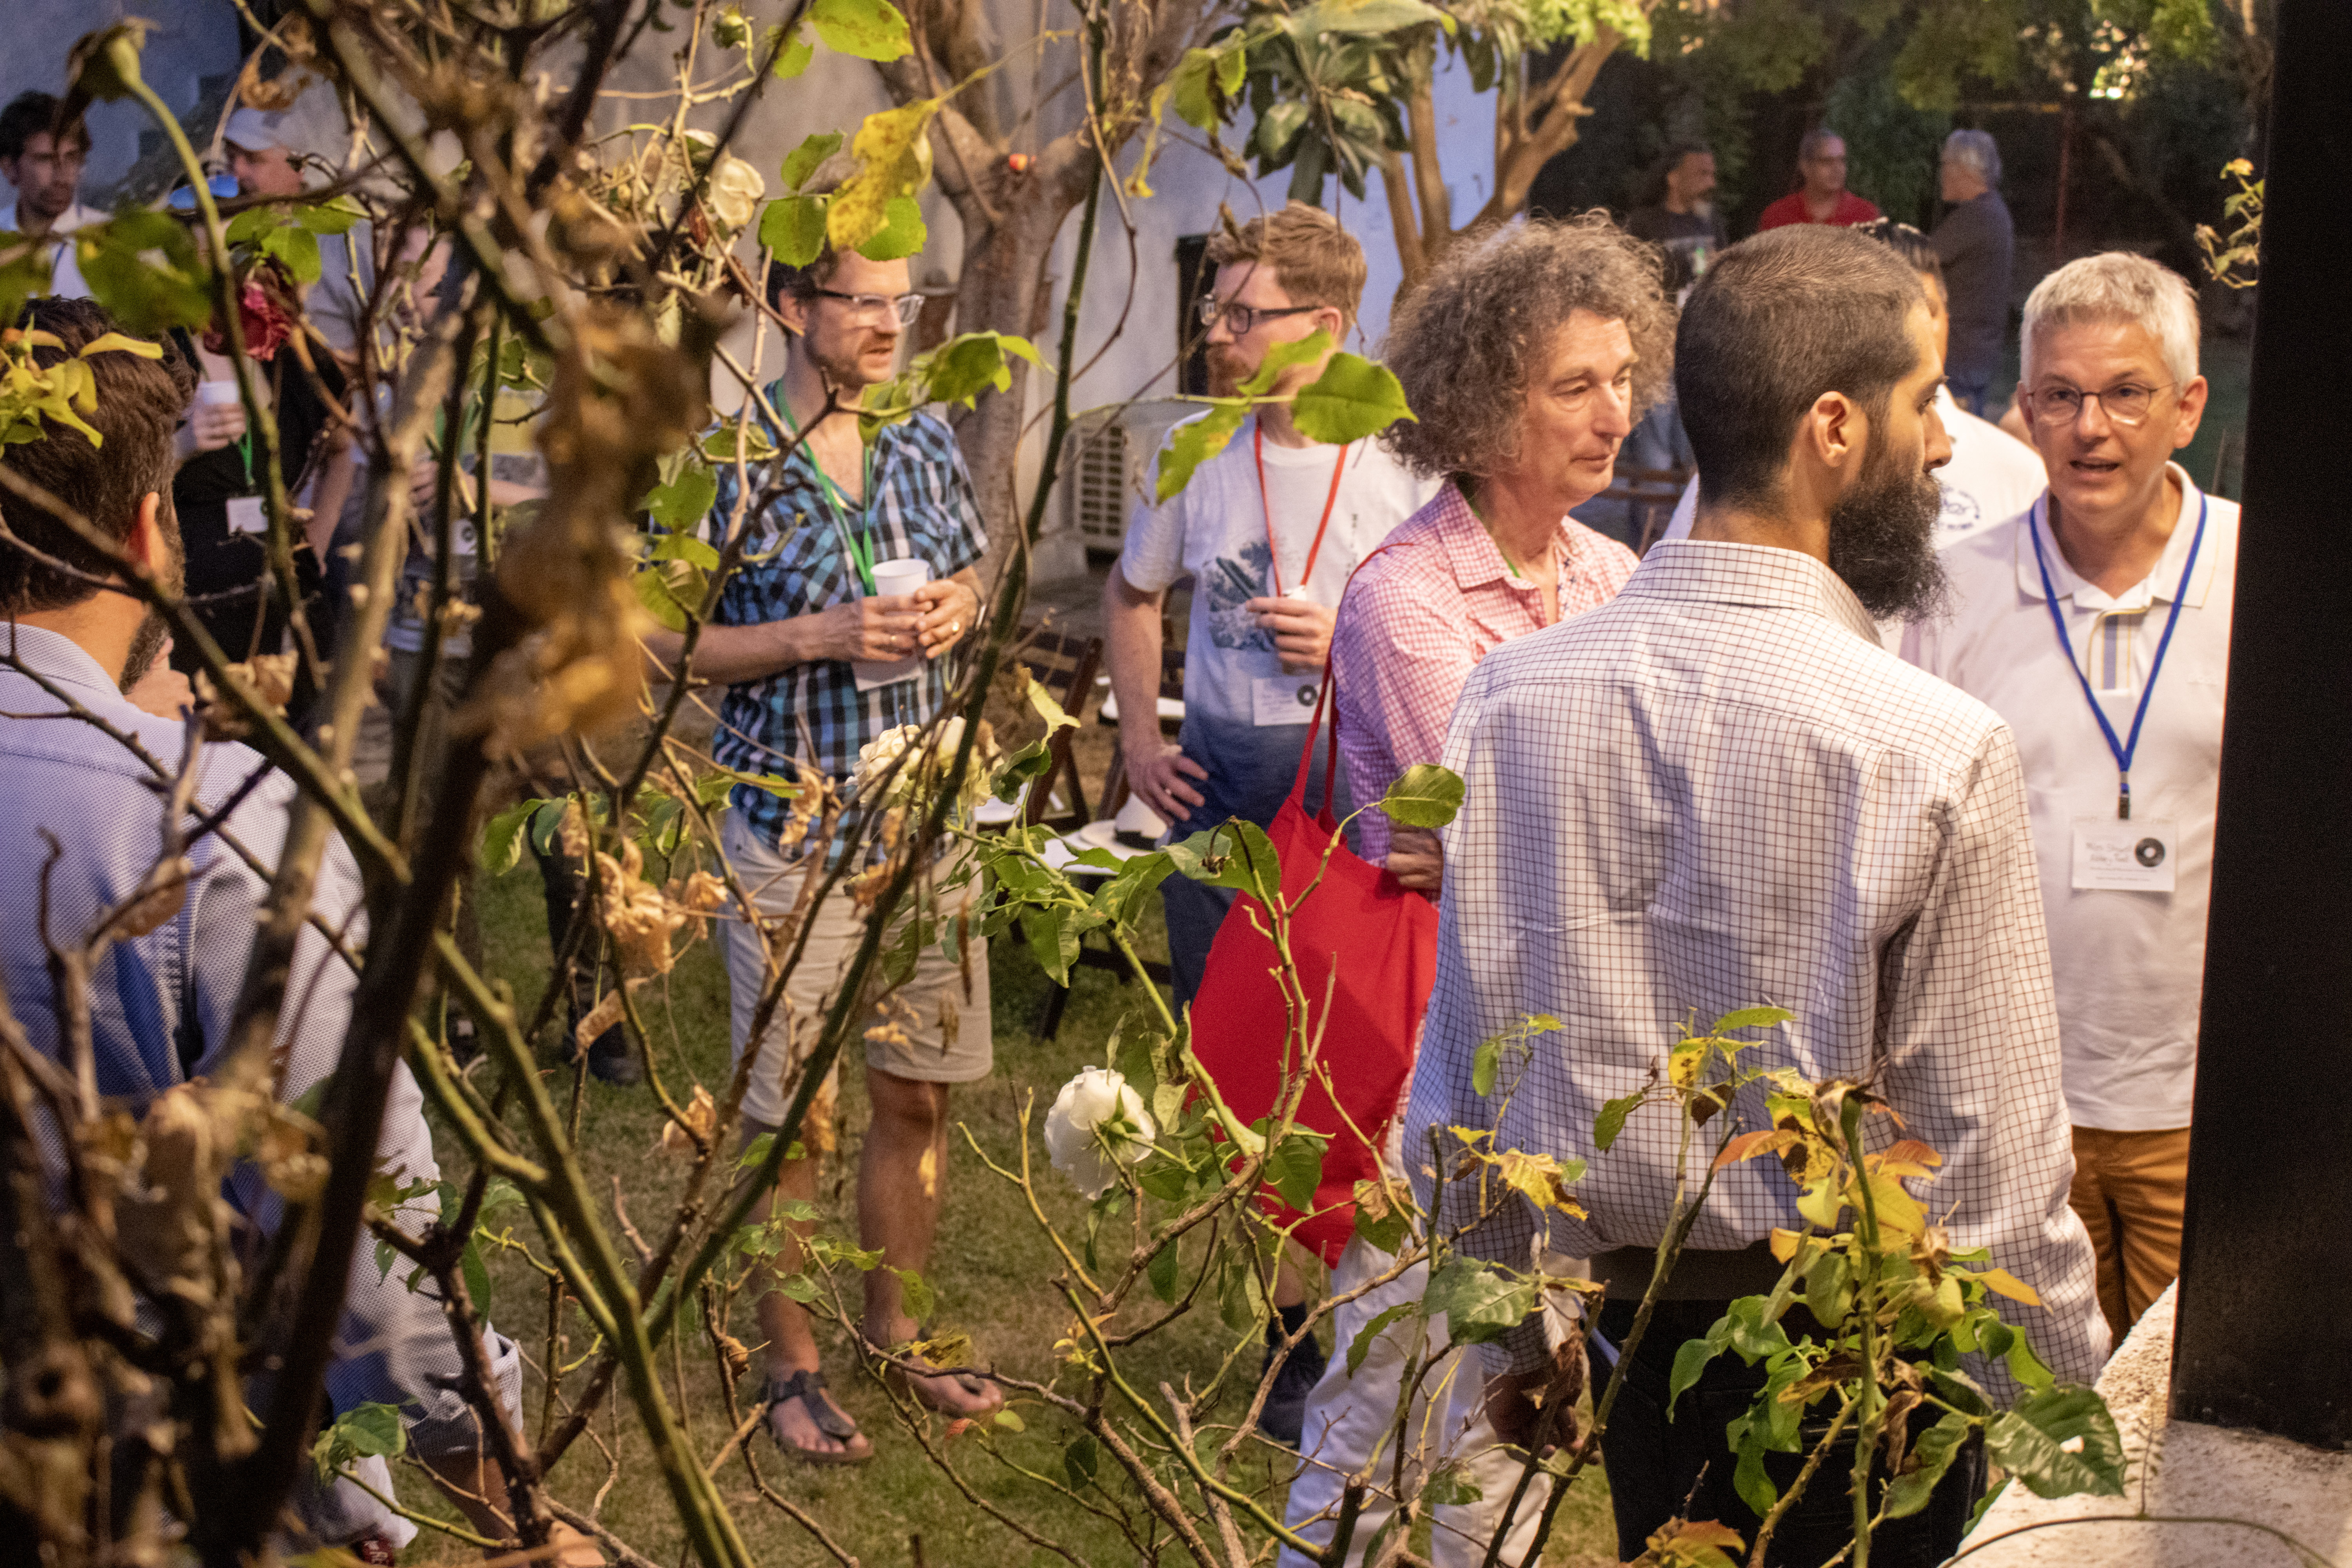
{"x":1272,"y":552}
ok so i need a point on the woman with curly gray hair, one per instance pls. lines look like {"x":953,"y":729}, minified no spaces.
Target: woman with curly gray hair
{"x":1526,"y":358}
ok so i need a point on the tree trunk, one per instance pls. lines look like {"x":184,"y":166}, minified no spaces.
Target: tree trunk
{"x":1007,"y":287}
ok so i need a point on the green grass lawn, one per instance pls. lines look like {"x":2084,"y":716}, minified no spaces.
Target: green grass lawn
{"x":992,"y":1268}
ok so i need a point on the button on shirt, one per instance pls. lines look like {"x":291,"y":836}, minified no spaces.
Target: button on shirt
{"x":2130,"y":966}
{"x":1717,"y":791}
{"x":160,"y":1003}
{"x":921,"y":505}
{"x":1435,"y":599}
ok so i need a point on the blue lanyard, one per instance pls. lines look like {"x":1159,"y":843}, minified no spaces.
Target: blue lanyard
{"x":2123,"y":750}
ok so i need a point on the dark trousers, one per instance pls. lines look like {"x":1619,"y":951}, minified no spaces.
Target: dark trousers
{"x":1659,"y":1468}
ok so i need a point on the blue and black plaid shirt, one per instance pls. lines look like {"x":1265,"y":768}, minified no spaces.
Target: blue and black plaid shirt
{"x":922,"y":506}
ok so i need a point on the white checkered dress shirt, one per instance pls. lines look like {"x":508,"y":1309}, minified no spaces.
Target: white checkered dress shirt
{"x":1717,"y":791}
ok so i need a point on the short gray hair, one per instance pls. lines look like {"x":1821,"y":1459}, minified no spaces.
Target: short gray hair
{"x":1465,"y":344}
{"x":2119,"y":286}
{"x":1975,"y":150}
{"x":1815,"y":139}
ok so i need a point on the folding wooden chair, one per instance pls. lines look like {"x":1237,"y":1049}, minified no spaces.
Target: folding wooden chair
{"x":1065,"y":666}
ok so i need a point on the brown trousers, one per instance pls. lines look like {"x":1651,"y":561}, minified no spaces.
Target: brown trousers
{"x":2128,"y":1189}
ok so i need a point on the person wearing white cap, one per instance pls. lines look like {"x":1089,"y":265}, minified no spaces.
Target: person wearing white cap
{"x":43,"y":163}
{"x":256,"y":145}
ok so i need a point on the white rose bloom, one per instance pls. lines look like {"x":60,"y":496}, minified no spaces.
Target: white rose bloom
{"x":1097,"y":1125}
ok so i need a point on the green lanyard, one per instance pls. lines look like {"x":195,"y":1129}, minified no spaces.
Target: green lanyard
{"x":244,"y":450}
{"x":859,"y":545}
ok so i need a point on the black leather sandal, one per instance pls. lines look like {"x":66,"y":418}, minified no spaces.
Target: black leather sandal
{"x":808,"y":1387}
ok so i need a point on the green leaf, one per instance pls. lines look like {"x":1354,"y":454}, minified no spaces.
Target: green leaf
{"x":1612,"y":1120}
{"x":1450,"y":1485}
{"x":1282,"y":356}
{"x":1485,"y":1064}
{"x":920,"y":1299}
{"x":1079,"y":1459}
{"x":1691,"y":1359}
{"x":297,"y":249}
{"x":1362,"y":1345}
{"x":684,"y":502}
{"x":501,"y":846}
{"x":1351,"y":399}
{"x":1294,"y":1167}
{"x":660,"y":600}
{"x":1277,"y":132}
{"x":799,"y":1286}
{"x":1162,"y":1272}
{"x":21,"y":276}
{"x":327,"y":217}
{"x":902,"y":232}
{"x":2032,"y":1442}
{"x":477,"y":1276}
{"x":145,"y":297}
{"x":1050,"y":940}
{"x":802,"y":160}
{"x":1479,"y":1304}
{"x":1751,"y":1019}
{"x":367,"y":1430}
{"x":1235,"y":855}
{"x":1984,"y":1504}
{"x":546,"y":823}
{"x":1193,"y":443}
{"x":1361,"y":16}
{"x":969,"y":363}
{"x":795,"y":57}
{"x":1191,"y":81}
{"x":1933,"y":1451}
{"x":793,"y":228}
{"x":870,"y":29}
{"x":685,"y":547}
{"x":1385,"y":1232}
{"x":1425,"y":797}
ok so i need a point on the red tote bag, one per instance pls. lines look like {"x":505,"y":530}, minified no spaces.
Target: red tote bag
{"x":1368,"y":941}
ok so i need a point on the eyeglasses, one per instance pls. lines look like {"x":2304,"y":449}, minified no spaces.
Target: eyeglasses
{"x":906,"y":307}
{"x":1240,"y":319}
{"x":2128,"y":405}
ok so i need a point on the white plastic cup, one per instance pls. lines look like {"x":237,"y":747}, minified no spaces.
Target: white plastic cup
{"x":893,"y":579}
{"x":217,"y":392}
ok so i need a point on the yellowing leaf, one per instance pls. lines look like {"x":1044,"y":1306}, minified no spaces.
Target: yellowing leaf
{"x":1784,"y":1244}
{"x":2007,"y":1284}
{"x":1898,"y":1211}
{"x":894,"y":156}
{"x":870,"y":29}
{"x":1683,"y":1063}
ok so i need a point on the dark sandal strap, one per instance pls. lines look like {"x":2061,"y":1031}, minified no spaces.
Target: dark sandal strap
{"x":808,"y":1387}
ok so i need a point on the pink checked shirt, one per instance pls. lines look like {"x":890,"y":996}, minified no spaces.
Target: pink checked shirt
{"x":1421,"y":612}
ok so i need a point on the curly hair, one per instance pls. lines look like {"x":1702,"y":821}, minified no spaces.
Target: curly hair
{"x":1466,"y":343}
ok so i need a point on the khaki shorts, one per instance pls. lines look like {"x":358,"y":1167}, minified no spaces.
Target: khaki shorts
{"x":933,"y":1029}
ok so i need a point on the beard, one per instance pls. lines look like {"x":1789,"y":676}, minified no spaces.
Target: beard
{"x":149,"y":639}
{"x":1227,"y":371}
{"x":1882,"y":541}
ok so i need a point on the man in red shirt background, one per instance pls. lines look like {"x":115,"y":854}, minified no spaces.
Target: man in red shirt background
{"x":1822,"y":199}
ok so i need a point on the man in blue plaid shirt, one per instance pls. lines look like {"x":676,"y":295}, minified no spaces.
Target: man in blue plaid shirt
{"x":799,"y":610}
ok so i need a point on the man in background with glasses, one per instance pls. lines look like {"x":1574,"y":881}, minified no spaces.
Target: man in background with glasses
{"x":1269,"y":531}
{"x":42,"y":160}
{"x":2097,"y":624}
{"x":820,"y":656}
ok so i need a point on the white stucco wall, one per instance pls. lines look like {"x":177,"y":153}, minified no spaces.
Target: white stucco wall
{"x":193,"y":39}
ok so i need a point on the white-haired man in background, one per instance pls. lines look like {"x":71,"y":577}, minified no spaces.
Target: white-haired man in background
{"x":2097,"y":624}
{"x":1976,"y":243}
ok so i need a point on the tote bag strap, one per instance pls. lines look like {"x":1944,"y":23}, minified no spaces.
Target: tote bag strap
{"x":1328,"y":696}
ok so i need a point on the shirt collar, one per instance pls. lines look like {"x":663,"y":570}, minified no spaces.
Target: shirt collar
{"x":2159,"y":586}
{"x":57,"y":657}
{"x":1755,"y":576}
{"x":1471,"y":550}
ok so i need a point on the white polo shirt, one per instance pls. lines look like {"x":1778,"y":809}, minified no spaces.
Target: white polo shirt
{"x":65,"y":270}
{"x":2129,"y":966}
{"x":1991,"y":477}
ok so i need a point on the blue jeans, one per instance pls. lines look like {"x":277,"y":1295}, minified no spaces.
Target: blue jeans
{"x":1251,"y":768}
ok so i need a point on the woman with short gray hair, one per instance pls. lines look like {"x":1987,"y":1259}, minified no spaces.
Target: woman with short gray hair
{"x":1976,"y":243}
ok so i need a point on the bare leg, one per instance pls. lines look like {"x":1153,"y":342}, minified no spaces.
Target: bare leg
{"x":1289,"y":1283}
{"x":898,"y":1179}
{"x":792,"y":1342}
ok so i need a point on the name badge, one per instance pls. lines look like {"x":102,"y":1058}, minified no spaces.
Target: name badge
{"x":1283,"y":699}
{"x":2132,"y":856}
{"x":247,"y":515}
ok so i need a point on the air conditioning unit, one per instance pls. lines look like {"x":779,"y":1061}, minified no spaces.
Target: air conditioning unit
{"x":1098,"y":489}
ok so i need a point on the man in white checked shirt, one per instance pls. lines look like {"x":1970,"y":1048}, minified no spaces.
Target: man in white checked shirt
{"x":1716,"y":790}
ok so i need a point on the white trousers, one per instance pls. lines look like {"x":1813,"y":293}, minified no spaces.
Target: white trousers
{"x":1347,"y":1418}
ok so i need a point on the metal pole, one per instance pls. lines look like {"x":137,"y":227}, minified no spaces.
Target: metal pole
{"x":2263,"y":1338}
